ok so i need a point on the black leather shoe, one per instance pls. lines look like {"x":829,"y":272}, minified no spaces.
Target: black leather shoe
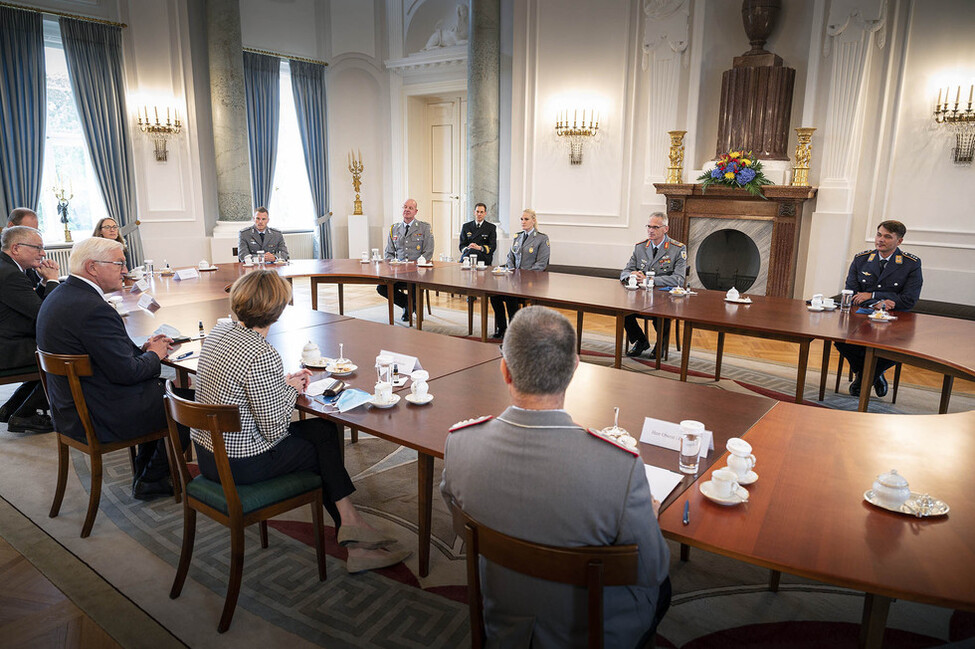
{"x":855,"y":386}
{"x":405,"y":317}
{"x":880,"y":386}
{"x":498,"y":333}
{"x":5,"y":412}
{"x":638,"y":348}
{"x":145,"y":490}
{"x":33,"y":424}
{"x":653,"y":354}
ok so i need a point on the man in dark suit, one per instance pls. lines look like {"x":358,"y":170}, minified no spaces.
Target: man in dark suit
{"x":124,"y":393}
{"x":479,"y":238}
{"x":26,"y":278}
{"x":888,"y":275}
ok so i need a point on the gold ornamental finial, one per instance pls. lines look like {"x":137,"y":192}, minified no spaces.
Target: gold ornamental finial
{"x":675,"y":169}
{"x":355,"y":168}
{"x":800,"y":167}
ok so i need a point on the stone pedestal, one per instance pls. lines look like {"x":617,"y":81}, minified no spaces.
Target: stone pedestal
{"x":484,"y":105}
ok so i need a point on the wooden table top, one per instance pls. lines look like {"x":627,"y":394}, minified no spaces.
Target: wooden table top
{"x":806,"y":514}
{"x":590,"y":399}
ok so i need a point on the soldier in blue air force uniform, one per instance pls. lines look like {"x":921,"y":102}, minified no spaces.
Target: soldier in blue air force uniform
{"x":886,"y":274}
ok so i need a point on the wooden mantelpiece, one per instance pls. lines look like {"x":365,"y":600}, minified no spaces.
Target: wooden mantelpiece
{"x":783,"y":207}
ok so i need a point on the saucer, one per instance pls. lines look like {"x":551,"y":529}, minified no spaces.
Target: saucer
{"x":208,"y":269}
{"x":248,"y":265}
{"x":412,"y":398}
{"x":741,"y":300}
{"x":632,"y":288}
{"x":375,"y":404}
{"x":363,"y":261}
{"x":750,"y":478}
{"x":334,"y":370}
{"x":830,"y":308}
{"x":740,"y":496}
{"x":426,"y":265}
{"x":815,"y":308}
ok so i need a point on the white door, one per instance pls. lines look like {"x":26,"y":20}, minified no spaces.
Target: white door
{"x":445,"y":168}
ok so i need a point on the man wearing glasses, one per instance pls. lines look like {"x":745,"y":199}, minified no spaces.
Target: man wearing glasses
{"x":668,"y":261}
{"x":26,"y":278}
{"x":124,"y":394}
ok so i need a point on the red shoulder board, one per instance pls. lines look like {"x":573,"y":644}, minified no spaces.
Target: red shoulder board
{"x":467,"y":423}
{"x":594,"y":433}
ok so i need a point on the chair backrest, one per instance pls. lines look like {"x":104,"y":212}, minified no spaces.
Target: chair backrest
{"x":590,"y":566}
{"x":72,"y":366}
{"x":215,"y":420}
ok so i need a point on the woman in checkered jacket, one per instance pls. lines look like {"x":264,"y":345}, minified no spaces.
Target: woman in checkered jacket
{"x":239,"y":367}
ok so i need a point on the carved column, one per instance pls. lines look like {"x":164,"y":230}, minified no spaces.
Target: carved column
{"x":484,"y":105}
{"x":229,"y":114}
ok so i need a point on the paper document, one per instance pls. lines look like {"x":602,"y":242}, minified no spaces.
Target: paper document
{"x":662,"y":481}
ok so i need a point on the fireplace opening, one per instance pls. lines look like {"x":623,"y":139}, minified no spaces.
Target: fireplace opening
{"x":727,"y":258}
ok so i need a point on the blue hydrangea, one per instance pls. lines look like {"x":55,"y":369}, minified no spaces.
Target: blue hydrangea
{"x":716,"y":173}
{"x":745,"y":176}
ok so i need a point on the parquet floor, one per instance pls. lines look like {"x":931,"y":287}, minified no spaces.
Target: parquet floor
{"x":35,"y":614}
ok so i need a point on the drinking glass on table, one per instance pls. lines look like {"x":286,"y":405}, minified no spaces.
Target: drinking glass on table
{"x":691,"y":433}
{"x":846,"y":299}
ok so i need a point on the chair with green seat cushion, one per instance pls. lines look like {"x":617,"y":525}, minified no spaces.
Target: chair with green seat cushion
{"x":229,"y":504}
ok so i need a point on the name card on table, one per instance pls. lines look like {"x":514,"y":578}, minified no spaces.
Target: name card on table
{"x":148,"y":303}
{"x":186,"y":273}
{"x":666,"y":434}
{"x":404,"y":364}
{"x":140,"y":287}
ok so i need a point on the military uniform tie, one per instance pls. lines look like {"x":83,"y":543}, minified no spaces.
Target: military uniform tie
{"x":883,"y":265}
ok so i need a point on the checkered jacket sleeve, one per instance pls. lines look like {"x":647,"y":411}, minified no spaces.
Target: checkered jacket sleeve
{"x":269,"y":399}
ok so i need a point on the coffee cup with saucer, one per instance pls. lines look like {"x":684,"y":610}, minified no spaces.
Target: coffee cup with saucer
{"x":631,"y":282}
{"x":136,"y":273}
{"x":741,"y":460}
{"x":384,"y":397}
{"x":723,"y":488}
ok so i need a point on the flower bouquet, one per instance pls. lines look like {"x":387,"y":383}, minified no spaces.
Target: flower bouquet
{"x":736,"y":169}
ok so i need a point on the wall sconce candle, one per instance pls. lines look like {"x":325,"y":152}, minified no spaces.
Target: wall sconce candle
{"x":960,"y":122}
{"x":158,"y":130}
{"x":578,"y":132}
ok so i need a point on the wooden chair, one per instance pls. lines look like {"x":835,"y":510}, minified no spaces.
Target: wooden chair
{"x":234,"y":506}
{"x":74,"y":367}
{"x":18,"y":374}
{"x":588,"y":566}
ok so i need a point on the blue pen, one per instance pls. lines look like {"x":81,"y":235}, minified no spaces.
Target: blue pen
{"x":687,"y":512}
{"x":186,"y":355}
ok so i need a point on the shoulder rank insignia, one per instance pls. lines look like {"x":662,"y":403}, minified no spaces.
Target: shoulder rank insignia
{"x":898,"y":259}
{"x":677,"y":243}
{"x":912,"y":257}
{"x":871,"y":257}
{"x":865,"y":252}
{"x":467,"y":423}
{"x":600,"y":436}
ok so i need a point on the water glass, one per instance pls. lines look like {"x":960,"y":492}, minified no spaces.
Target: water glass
{"x":148,"y":264}
{"x":846,"y":299}
{"x":691,"y":435}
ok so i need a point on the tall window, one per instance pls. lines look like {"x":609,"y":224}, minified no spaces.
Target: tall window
{"x":291,"y":205}
{"x":66,"y":161}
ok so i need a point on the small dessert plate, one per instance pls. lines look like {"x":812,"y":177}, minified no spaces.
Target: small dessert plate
{"x":321,"y":364}
{"x":738,"y":497}
{"x":343,"y":370}
{"x":741,"y":300}
{"x":887,"y":318}
{"x":416,"y":401}
{"x":388,"y":404}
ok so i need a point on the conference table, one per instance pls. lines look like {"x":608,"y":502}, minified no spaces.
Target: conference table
{"x":805,"y":515}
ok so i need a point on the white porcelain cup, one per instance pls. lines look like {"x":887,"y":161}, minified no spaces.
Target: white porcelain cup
{"x":384,"y":392}
{"x":741,"y":460}
{"x":375,"y":254}
{"x":829,"y":303}
{"x":481,"y":265}
{"x":631,"y":281}
{"x":116,"y":302}
{"x":136,"y":274}
{"x":204,"y":264}
{"x":725,"y":483}
{"x":365,"y":255}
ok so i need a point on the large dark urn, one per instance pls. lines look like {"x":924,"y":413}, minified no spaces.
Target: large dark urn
{"x":759,"y":17}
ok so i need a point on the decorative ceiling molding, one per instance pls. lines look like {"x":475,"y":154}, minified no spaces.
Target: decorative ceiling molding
{"x":439,"y":59}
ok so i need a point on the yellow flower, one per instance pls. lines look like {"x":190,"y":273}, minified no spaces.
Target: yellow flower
{"x":729,"y":175}
{"x":734,"y":154}
{"x":746,"y":162}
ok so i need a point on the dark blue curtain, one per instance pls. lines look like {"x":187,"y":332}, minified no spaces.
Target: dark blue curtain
{"x":94,"y":55}
{"x":23,"y":108}
{"x":308,"y":87}
{"x":262,"y":91}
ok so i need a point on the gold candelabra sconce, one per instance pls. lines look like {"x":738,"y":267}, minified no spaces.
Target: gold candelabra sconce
{"x":675,"y":167}
{"x":958,"y":122}
{"x":578,"y":132}
{"x":800,"y":166}
{"x":355,"y":168}
{"x":158,"y":130}
{"x":63,"y":197}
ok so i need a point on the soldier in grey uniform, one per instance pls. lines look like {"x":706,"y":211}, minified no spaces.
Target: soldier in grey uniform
{"x":530,"y":250}
{"x":261,"y":237}
{"x":407,"y":241}
{"x":534,"y":474}
{"x":668,"y":261}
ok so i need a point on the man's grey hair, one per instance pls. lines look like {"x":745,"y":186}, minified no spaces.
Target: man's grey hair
{"x":17,"y":234}
{"x":660,"y":215}
{"x":540,"y":351}
{"x":91,"y":248}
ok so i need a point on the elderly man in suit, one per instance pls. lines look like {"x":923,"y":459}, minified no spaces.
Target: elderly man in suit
{"x":261,"y":236}
{"x":479,"y":237}
{"x":407,"y":241}
{"x":26,"y":278}
{"x":886,"y":275}
{"x":530,"y":250}
{"x":534,"y":474}
{"x":124,"y":393}
{"x":667,"y":260}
